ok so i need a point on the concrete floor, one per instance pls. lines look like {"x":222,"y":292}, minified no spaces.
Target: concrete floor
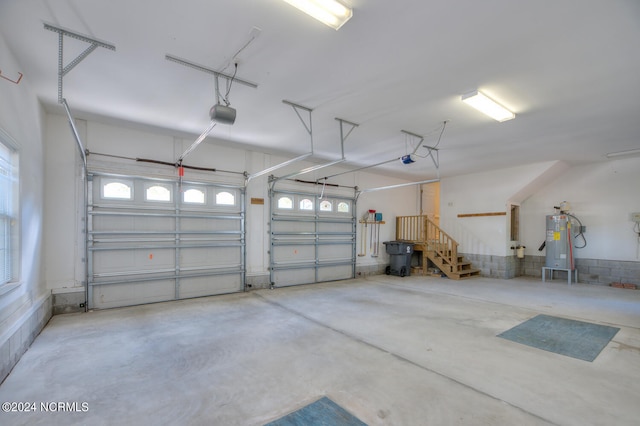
{"x":390,"y":350}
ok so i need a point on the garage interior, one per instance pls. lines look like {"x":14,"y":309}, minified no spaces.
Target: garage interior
{"x":196,"y":198}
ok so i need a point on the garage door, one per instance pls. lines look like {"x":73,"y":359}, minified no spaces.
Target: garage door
{"x":152,"y":240}
{"x":312,"y":237}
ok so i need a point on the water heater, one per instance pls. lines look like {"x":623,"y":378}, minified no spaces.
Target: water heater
{"x":558,"y":242}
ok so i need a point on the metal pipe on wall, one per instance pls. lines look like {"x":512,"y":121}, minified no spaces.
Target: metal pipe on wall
{"x":85,"y":196}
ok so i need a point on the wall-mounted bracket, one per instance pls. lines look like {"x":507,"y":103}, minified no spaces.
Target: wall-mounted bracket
{"x":13,"y":81}
{"x":64,"y":69}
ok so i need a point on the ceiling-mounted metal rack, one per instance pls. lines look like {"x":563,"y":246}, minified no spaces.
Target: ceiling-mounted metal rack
{"x":382,"y":162}
{"x":310,"y":169}
{"x":64,"y":69}
{"x":308,"y":128}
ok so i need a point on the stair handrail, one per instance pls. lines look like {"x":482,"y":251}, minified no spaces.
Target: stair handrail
{"x":420,"y":229}
{"x":441,"y":242}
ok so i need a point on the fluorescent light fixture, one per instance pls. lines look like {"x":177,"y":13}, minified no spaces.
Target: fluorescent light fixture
{"x":488,"y":106}
{"x":630,"y":152}
{"x":329,"y":12}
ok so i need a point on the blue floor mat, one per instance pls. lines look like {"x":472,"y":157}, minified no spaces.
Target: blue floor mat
{"x":322,"y":412}
{"x":577,"y":339}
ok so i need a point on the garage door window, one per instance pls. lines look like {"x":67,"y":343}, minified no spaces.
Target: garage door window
{"x":194,"y":196}
{"x":343,"y":207}
{"x":225,"y":198}
{"x":117,"y":190}
{"x":157,"y":193}
{"x":326,"y":206}
{"x":285,"y":203}
{"x":306,"y":204}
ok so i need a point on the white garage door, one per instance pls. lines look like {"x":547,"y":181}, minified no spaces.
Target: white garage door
{"x":312,"y":238}
{"x":152,"y":240}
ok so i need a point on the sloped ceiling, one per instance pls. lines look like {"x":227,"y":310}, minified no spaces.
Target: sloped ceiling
{"x":569,"y":69}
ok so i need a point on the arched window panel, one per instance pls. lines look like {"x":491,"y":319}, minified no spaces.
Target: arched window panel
{"x":156,"y":192}
{"x":285,"y":202}
{"x":326,"y":206}
{"x":225,"y":198}
{"x":194,"y":196}
{"x":117,"y":190}
{"x":306,"y":204}
{"x":343,"y":207}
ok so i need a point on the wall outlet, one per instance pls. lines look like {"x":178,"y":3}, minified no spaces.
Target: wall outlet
{"x":635,"y":217}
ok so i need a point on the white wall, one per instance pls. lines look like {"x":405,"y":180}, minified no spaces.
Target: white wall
{"x":21,"y":117}
{"x":62,"y":222}
{"x":487,"y":192}
{"x":601,"y":195}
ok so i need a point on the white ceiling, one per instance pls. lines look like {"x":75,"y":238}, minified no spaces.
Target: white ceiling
{"x":569,"y":69}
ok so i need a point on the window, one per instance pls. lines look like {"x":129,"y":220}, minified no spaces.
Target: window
{"x":8,"y":212}
{"x":306,"y":204}
{"x":225,"y":198}
{"x":285,"y":203}
{"x":157,"y":193}
{"x":116,"y":189}
{"x":343,"y":207}
{"x":515,"y":222}
{"x":326,"y":206}
{"x":194,"y":196}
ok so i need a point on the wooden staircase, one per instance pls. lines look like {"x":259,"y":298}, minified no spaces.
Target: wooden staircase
{"x":435,"y":245}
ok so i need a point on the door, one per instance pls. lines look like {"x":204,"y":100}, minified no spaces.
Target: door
{"x":152,"y":240}
{"x":312,"y":238}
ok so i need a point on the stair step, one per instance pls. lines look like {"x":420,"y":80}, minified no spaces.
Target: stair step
{"x":466,"y":274}
{"x":463,"y":269}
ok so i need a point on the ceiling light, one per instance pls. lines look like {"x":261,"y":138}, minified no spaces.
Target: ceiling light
{"x":623,"y":153}
{"x":488,"y":106}
{"x":329,"y":12}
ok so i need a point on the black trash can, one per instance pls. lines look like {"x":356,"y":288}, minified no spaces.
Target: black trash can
{"x":399,"y":258}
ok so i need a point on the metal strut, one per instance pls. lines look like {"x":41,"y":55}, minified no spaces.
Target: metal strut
{"x":344,"y":137}
{"x":202,"y":68}
{"x":309,"y":129}
{"x":331,"y":163}
{"x":76,"y":136}
{"x":380,"y":163}
{"x":400,"y":185}
{"x":436,"y":159}
{"x":197,"y":142}
{"x":64,"y":70}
